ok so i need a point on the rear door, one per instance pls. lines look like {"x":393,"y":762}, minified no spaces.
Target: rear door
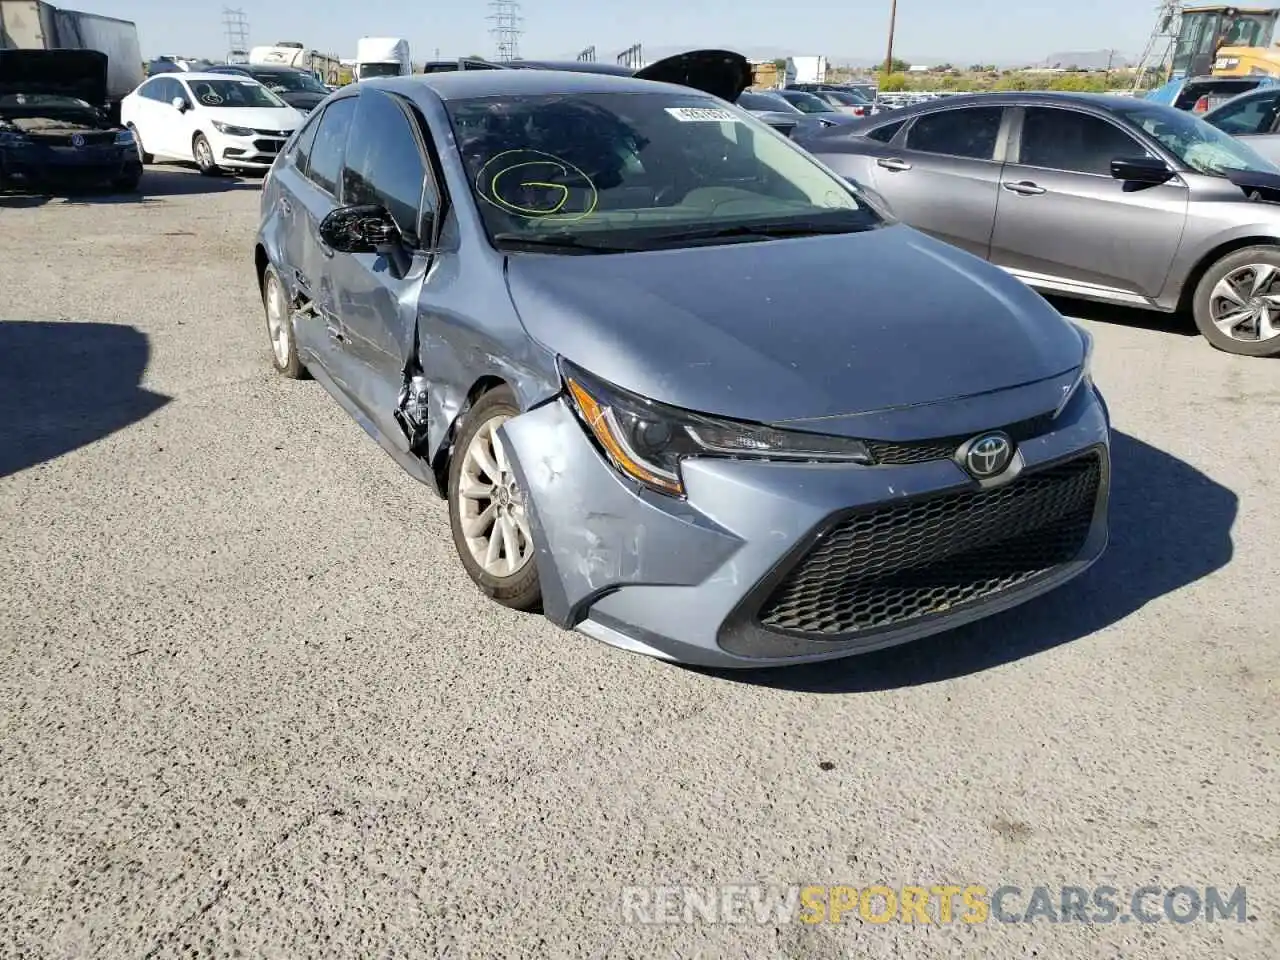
{"x":941,"y":174}
{"x":385,"y":165}
{"x":1063,"y":223}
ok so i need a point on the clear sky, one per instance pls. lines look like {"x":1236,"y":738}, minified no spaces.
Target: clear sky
{"x":962,"y":30}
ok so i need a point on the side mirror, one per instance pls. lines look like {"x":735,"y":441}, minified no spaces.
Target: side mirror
{"x":179,"y":104}
{"x":1148,"y":170}
{"x":364,"y":228}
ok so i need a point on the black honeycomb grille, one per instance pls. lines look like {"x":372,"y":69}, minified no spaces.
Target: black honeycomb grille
{"x":892,"y":453}
{"x":894,"y":564}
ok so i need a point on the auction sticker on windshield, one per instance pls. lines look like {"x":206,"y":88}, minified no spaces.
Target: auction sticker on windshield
{"x":703,"y":114}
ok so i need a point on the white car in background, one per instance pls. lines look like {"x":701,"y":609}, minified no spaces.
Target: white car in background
{"x":220,"y":121}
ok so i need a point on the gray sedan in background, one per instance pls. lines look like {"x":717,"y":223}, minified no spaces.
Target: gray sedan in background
{"x":1105,"y":198}
{"x":613,"y":321}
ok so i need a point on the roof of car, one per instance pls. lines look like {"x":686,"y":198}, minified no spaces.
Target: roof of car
{"x":202,"y":75}
{"x":254,"y":68}
{"x":467,"y":84}
{"x":1096,"y":100}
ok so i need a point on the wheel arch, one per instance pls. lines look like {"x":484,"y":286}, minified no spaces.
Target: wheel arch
{"x":260,"y":263}
{"x":1205,"y":263}
{"x":444,"y":456}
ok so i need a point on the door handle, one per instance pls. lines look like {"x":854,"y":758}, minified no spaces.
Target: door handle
{"x":1024,"y":188}
{"x":893,"y":163}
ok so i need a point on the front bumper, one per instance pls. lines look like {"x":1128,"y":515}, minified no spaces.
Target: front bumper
{"x":43,"y":166}
{"x":257,"y":152}
{"x":776,"y":563}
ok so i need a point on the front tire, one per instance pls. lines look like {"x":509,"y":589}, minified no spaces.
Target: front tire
{"x":284,"y":348}
{"x":488,"y":511}
{"x":1237,"y":303}
{"x":203,"y":153}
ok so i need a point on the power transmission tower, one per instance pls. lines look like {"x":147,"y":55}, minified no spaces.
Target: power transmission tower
{"x":632,"y":57}
{"x":1158,"y":53}
{"x":506,"y":28}
{"x":237,"y":26}
{"x":587,"y":56}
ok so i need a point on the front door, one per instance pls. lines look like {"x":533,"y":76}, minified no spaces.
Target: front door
{"x":1064,"y":224}
{"x":941,"y":176}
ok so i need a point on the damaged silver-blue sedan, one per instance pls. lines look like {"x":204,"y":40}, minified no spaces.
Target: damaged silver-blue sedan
{"x":684,"y":389}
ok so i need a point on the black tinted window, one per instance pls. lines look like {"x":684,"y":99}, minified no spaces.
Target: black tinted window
{"x":887,"y":132}
{"x":300,"y":152}
{"x":325,"y":164}
{"x":966,"y":132}
{"x":1247,"y":115}
{"x":384,"y":163}
{"x":1075,"y":142}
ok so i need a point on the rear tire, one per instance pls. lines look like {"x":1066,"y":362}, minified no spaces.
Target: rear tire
{"x":145,"y":157}
{"x":284,"y":348}
{"x":1237,"y":303}
{"x":203,"y":153}
{"x":488,"y":513}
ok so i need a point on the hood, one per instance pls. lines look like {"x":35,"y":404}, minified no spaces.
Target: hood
{"x":721,"y":73}
{"x":784,"y":330}
{"x":69,"y":73}
{"x":1256,"y":185}
{"x":258,"y":118}
{"x":300,"y":99}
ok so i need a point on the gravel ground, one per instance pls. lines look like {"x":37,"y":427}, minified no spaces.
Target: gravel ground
{"x":251,"y":706}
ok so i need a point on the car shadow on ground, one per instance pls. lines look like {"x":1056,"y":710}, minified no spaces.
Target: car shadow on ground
{"x":1170,"y":526}
{"x":1178,"y":324}
{"x":64,"y":385}
{"x":158,"y":182}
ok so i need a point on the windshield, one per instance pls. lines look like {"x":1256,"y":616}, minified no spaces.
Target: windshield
{"x":1201,"y":146}
{"x":640,"y":171}
{"x":808,"y":103}
{"x":47,"y":100}
{"x":847,"y":99}
{"x":765,"y":101}
{"x":233,"y":93}
{"x":290,"y":81}
{"x":368,"y":70}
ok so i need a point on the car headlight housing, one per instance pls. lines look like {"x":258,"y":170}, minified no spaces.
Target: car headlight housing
{"x":231,"y":130}
{"x":1084,"y":373}
{"x":646,"y":441}
{"x":124,"y":138}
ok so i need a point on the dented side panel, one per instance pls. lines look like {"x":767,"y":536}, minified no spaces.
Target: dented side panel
{"x":594,"y":531}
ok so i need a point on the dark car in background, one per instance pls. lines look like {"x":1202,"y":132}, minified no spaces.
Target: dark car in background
{"x":1106,"y":198}
{"x":771,"y":109}
{"x":55,"y":132}
{"x":298,"y":88}
{"x":844,"y":99}
{"x":814,"y":107}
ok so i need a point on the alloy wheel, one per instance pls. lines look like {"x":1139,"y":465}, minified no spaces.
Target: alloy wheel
{"x":1245,"y":304}
{"x":277,"y":320}
{"x":491,"y":505}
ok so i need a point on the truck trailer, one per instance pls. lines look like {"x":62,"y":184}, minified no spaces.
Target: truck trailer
{"x":36,"y":25}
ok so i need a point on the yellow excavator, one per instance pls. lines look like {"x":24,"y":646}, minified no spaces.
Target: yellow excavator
{"x":1225,"y":41}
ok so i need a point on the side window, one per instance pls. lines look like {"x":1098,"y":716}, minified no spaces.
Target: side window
{"x":176,"y":88}
{"x":887,"y":132}
{"x":149,"y":90}
{"x":385,"y":163}
{"x":969,"y":132}
{"x":324,"y":167}
{"x":1253,"y":115}
{"x":300,"y":151}
{"x":1059,"y":139}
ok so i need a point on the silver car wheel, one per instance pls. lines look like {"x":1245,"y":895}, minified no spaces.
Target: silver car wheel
{"x":491,"y":505}
{"x":1245,"y":304}
{"x":277,"y":320}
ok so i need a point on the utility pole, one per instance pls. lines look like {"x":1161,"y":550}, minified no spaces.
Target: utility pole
{"x":892,"y":23}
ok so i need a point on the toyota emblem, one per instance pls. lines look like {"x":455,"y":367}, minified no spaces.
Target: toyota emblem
{"x":77,"y":140}
{"x":988,"y":455}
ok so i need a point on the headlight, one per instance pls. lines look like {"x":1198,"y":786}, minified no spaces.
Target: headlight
{"x":646,"y":440}
{"x":12,"y":138}
{"x":124,"y":137}
{"x":231,"y":130}
{"x":1084,"y":374}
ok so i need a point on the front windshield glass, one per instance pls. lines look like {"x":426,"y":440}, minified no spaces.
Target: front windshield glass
{"x":808,"y":103}
{"x":290,"y":81}
{"x":1201,"y":146}
{"x":233,"y":93}
{"x":637,"y":171}
{"x":368,"y":70}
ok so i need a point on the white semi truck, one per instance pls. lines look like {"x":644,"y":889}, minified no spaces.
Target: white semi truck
{"x":382,"y":57}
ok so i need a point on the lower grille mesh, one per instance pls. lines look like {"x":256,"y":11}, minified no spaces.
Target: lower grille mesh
{"x":897,"y":563}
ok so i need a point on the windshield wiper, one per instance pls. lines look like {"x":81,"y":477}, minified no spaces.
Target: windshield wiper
{"x":563,"y":241}
{"x":808,"y":228}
